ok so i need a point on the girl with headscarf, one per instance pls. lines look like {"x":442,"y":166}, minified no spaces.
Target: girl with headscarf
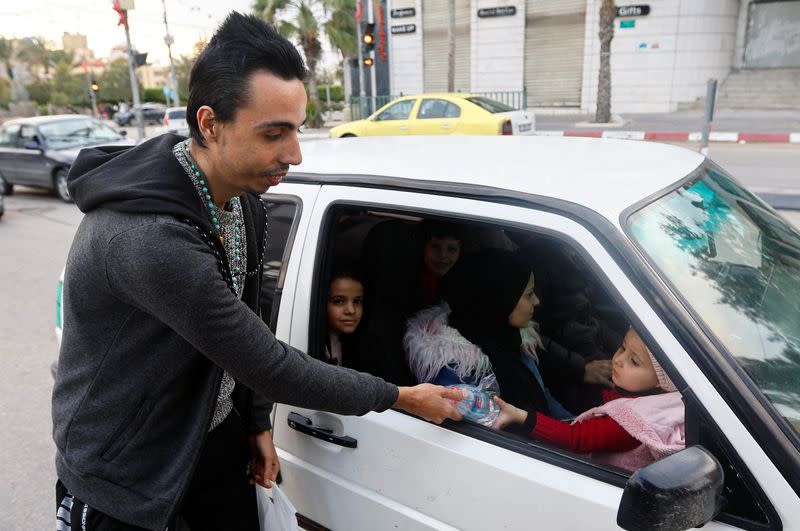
{"x":485,"y":328}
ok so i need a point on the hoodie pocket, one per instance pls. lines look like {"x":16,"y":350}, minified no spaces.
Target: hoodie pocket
{"x":126,"y":430}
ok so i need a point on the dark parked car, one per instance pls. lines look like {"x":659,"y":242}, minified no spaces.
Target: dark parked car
{"x":39,"y":151}
{"x":152,"y":113}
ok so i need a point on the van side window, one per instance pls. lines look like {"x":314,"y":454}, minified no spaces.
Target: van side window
{"x":409,"y":273}
{"x":281,"y":216}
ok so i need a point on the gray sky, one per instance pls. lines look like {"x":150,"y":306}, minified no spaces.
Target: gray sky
{"x":189,"y":20}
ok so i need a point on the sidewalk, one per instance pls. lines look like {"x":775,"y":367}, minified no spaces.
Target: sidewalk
{"x":728,"y":126}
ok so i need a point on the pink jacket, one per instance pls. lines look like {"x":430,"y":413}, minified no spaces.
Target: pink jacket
{"x":657,"y":421}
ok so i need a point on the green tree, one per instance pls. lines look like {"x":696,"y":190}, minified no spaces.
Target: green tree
{"x":183,"y":67}
{"x":154,"y":94}
{"x":40,"y":91}
{"x":5,"y":92}
{"x":61,"y":56}
{"x":73,"y":87}
{"x":295,"y":19}
{"x":6,"y":54}
{"x":115,"y":83}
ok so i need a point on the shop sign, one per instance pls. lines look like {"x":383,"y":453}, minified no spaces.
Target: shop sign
{"x":404,"y":28}
{"x":505,"y":11}
{"x":405,"y":12}
{"x":633,"y":11}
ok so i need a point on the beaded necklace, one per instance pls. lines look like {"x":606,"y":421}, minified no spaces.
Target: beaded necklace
{"x":231,"y":234}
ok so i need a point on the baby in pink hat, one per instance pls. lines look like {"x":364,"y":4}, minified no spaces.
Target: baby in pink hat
{"x":640,"y":421}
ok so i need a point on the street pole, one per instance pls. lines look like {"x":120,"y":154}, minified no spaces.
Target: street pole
{"x":361,"y":92}
{"x":137,"y":107}
{"x":169,"y":40}
{"x":371,"y":20}
{"x":92,"y":95}
{"x":711,"y":96}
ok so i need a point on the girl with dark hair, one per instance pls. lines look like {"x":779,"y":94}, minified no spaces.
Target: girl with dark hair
{"x":485,"y":327}
{"x":345,"y":307}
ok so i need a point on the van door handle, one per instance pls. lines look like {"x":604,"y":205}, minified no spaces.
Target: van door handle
{"x":304,"y":425}
{"x":403,"y":127}
{"x":447,"y":126}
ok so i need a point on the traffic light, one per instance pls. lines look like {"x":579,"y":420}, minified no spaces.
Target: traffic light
{"x":369,"y":37}
{"x":95,"y":86}
{"x":369,"y":61}
{"x":139,"y":59}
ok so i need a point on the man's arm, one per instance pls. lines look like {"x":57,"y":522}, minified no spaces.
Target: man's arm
{"x":166,"y":270}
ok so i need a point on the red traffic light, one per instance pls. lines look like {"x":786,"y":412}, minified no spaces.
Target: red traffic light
{"x":369,"y":38}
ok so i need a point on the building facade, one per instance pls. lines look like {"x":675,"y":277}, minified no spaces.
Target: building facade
{"x":662,"y":54}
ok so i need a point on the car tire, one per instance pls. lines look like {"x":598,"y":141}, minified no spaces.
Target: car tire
{"x":60,"y":184}
{"x":6,"y":187}
{"x":348,"y":135}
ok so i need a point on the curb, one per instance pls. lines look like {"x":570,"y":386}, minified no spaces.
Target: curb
{"x":683,"y":136}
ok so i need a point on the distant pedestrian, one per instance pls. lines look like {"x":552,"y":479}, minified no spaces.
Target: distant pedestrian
{"x":166,"y":372}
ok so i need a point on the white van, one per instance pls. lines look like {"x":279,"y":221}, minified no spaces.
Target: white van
{"x":705,"y":272}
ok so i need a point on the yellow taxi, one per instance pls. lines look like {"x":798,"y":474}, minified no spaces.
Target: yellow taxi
{"x":441,"y":114}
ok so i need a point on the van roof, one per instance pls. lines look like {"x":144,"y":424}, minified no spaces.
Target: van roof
{"x":605,"y":175}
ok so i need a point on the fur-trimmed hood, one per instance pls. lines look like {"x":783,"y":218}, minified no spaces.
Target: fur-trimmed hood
{"x":431,"y":344}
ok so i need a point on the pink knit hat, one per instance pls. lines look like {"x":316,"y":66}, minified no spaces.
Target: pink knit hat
{"x":664,"y":381}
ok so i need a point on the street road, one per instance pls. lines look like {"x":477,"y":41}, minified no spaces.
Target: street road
{"x":773,"y":168}
{"x":35,"y":235}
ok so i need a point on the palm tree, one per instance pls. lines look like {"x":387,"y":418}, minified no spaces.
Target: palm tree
{"x":607,"y":13}
{"x":339,"y":27}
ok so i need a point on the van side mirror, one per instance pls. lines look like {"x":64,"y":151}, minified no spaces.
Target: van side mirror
{"x":678,"y":492}
{"x":122,"y":132}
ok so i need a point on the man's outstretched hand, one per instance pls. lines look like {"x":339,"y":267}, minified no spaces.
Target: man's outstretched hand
{"x":431,"y":402}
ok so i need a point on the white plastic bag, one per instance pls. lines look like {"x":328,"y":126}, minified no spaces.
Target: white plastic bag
{"x":276,"y":512}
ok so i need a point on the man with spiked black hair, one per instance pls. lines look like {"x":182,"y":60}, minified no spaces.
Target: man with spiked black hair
{"x":166,"y":373}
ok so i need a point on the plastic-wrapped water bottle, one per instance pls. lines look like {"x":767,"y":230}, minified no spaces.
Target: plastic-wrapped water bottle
{"x":477,"y":406}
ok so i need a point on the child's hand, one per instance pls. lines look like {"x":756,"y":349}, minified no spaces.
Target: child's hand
{"x":508,"y":414}
{"x":598,"y":372}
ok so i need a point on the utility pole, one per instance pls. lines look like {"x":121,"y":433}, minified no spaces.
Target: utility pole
{"x":169,"y":41}
{"x":361,"y":92}
{"x":122,"y":7}
{"x":371,"y":20}
{"x":451,"y":45}
{"x":92,"y":93}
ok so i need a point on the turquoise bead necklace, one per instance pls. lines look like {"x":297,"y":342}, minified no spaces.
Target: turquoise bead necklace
{"x":232,"y":236}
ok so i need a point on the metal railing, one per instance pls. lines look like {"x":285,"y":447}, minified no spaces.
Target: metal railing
{"x":363,"y":106}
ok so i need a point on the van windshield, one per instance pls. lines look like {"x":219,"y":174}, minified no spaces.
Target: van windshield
{"x":738,"y":265}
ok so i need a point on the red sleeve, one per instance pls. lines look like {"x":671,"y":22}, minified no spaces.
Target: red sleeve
{"x":610,"y":394}
{"x":596,"y":434}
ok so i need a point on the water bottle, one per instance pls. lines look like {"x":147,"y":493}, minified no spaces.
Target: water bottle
{"x":477,"y":406}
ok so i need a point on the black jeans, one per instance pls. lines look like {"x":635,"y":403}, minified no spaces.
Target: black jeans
{"x":219,"y":496}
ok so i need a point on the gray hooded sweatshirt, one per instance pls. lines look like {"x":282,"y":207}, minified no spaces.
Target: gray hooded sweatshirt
{"x":150,"y":323}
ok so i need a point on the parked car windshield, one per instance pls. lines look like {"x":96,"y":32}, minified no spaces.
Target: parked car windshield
{"x":493,"y":106}
{"x":78,"y":132}
{"x":738,"y":265}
